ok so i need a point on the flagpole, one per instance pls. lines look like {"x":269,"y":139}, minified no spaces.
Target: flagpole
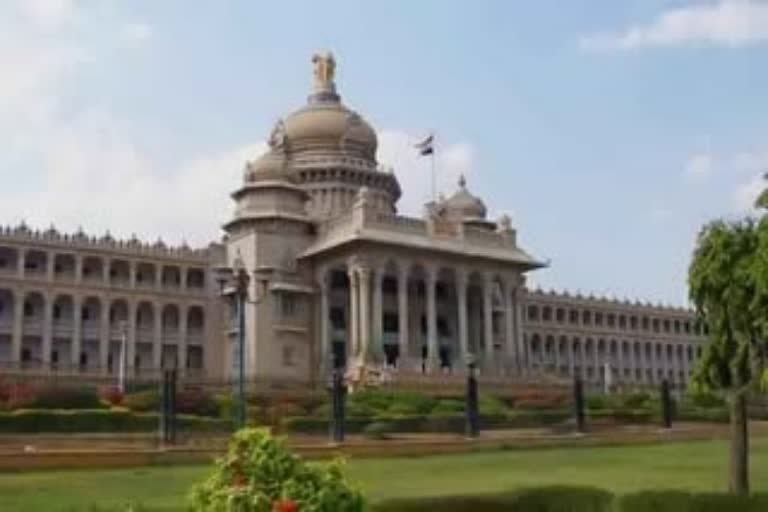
{"x":434,"y":177}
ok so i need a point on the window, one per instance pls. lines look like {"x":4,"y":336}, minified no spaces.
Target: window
{"x":573,"y":316}
{"x":29,"y":309}
{"x":57,"y":312}
{"x":289,"y":356}
{"x":288,"y":305}
{"x":598,"y":318}
{"x":533,"y":313}
{"x":547,"y":314}
{"x":586,"y":317}
{"x":86,"y":314}
{"x":611,"y":320}
{"x":337,"y":318}
{"x":390,"y":322}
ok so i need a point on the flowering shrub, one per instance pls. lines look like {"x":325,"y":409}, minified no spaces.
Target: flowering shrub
{"x":258,"y":474}
{"x":111,"y":394}
{"x":16,"y":395}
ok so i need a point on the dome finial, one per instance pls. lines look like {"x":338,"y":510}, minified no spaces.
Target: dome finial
{"x":462,"y":181}
{"x":324,"y":73}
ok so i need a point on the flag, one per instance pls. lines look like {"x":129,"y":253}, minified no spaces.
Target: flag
{"x":426,"y":146}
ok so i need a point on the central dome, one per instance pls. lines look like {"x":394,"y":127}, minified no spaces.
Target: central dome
{"x":327,"y":124}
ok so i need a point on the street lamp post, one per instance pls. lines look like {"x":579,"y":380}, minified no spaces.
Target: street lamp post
{"x":472,"y":414}
{"x":234,"y":282}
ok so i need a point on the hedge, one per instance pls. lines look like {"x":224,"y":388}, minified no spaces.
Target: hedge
{"x":98,"y":420}
{"x":581,"y":499}
{"x":438,"y":423}
{"x":680,"y":501}
{"x":539,"y":499}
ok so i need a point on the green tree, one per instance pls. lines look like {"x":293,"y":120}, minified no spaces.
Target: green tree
{"x":728,"y":284}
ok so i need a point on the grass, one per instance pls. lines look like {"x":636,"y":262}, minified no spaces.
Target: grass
{"x":693,"y":466}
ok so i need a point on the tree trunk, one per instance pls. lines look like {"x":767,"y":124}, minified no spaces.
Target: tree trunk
{"x":739,"y":478}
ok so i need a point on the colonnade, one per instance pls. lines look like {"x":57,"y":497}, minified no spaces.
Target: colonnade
{"x":459,"y":312}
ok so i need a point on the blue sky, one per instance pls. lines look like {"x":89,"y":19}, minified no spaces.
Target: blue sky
{"x":609,"y":130}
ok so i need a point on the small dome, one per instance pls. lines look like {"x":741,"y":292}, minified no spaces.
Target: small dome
{"x":271,"y":162}
{"x":464,"y":205}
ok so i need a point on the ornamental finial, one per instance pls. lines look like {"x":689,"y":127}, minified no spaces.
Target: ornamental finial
{"x":324,"y":71}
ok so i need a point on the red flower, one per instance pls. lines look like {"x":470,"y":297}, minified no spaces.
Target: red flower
{"x":285,"y":506}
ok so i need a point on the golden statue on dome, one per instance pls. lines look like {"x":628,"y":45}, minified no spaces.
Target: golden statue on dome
{"x":325,"y":70}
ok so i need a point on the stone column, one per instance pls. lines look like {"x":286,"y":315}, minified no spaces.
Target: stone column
{"x":378,"y":312}
{"x":354,"y":324}
{"x":50,"y":264}
{"x":78,"y":269}
{"x":47,"y":328}
{"x":365,"y":313}
{"x":488,"y":321}
{"x":571,"y":356}
{"x":130,"y":351}
{"x":326,"y":359}
{"x":402,"y":315}
{"x":104,"y":336}
{"x":510,"y":355}
{"x":583,"y":348}
{"x":556,"y":351}
{"x":463,"y":327}
{"x":181,"y":353}
{"x":18,"y":326}
{"x":183,"y":271}
{"x":21,"y":263}
{"x":432,"y":342}
{"x":519,"y":313}
{"x":77,"y":330}
{"x":132,"y":275}
{"x":157,"y":339}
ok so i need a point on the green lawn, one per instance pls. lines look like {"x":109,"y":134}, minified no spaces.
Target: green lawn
{"x":699,"y":466}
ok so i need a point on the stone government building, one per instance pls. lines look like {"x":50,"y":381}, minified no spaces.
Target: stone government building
{"x":340,"y":279}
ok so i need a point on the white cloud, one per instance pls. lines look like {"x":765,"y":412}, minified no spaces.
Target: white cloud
{"x":414,"y":172}
{"x":48,"y":14}
{"x":81,"y":168}
{"x":699,"y":166}
{"x":734,"y":23}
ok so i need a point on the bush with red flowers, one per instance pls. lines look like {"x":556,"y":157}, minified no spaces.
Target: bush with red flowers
{"x":111,"y":395}
{"x":259,"y":474}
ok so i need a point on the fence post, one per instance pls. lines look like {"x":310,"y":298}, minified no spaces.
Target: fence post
{"x":578,"y":402}
{"x":666,"y":404}
{"x":472,"y":414}
{"x":338,"y":397}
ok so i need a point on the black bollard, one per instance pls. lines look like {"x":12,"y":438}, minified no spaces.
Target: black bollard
{"x":173,"y":379}
{"x":666,"y":404}
{"x":163,"y":416}
{"x":578,"y":402}
{"x":338,"y":397}
{"x":472,"y":413}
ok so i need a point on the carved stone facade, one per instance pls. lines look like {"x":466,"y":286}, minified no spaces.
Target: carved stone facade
{"x":339,"y":279}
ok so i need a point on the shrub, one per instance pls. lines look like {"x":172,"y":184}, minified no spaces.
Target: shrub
{"x":541,"y":499}
{"x":143,"y":401}
{"x":16,"y":395}
{"x":66,"y":397}
{"x":706,"y":399}
{"x":680,"y":501}
{"x":637,"y":400}
{"x":196,"y":401}
{"x":378,"y":430}
{"x":405,"y":403}
{"x":258,"y":472}
{"x":448,"y":406}
{"x":97,"y":420}
{"x":491,"y":405}
{"x":111,"y":395}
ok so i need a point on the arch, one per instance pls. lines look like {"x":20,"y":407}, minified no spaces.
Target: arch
{"x":119,"y":272}
{"x":171,"y":277}
{"x":195,"y":319}
{"x":93,"y":269}
{"x":9,"y":260}
{"x":64,"y":266}
{"x":146,"y":275}
{"x":533,"y":312}
{"x":586,"y":317}
{"x":63,"y":311}
{"x":7,"y":308}
{"x":118,"y":314}
{"x":196,"y":278}
{"x":171,"y":318}
{"x":36,"y":262}
{"x":560,"y":315}
{"x":546,"y":314}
